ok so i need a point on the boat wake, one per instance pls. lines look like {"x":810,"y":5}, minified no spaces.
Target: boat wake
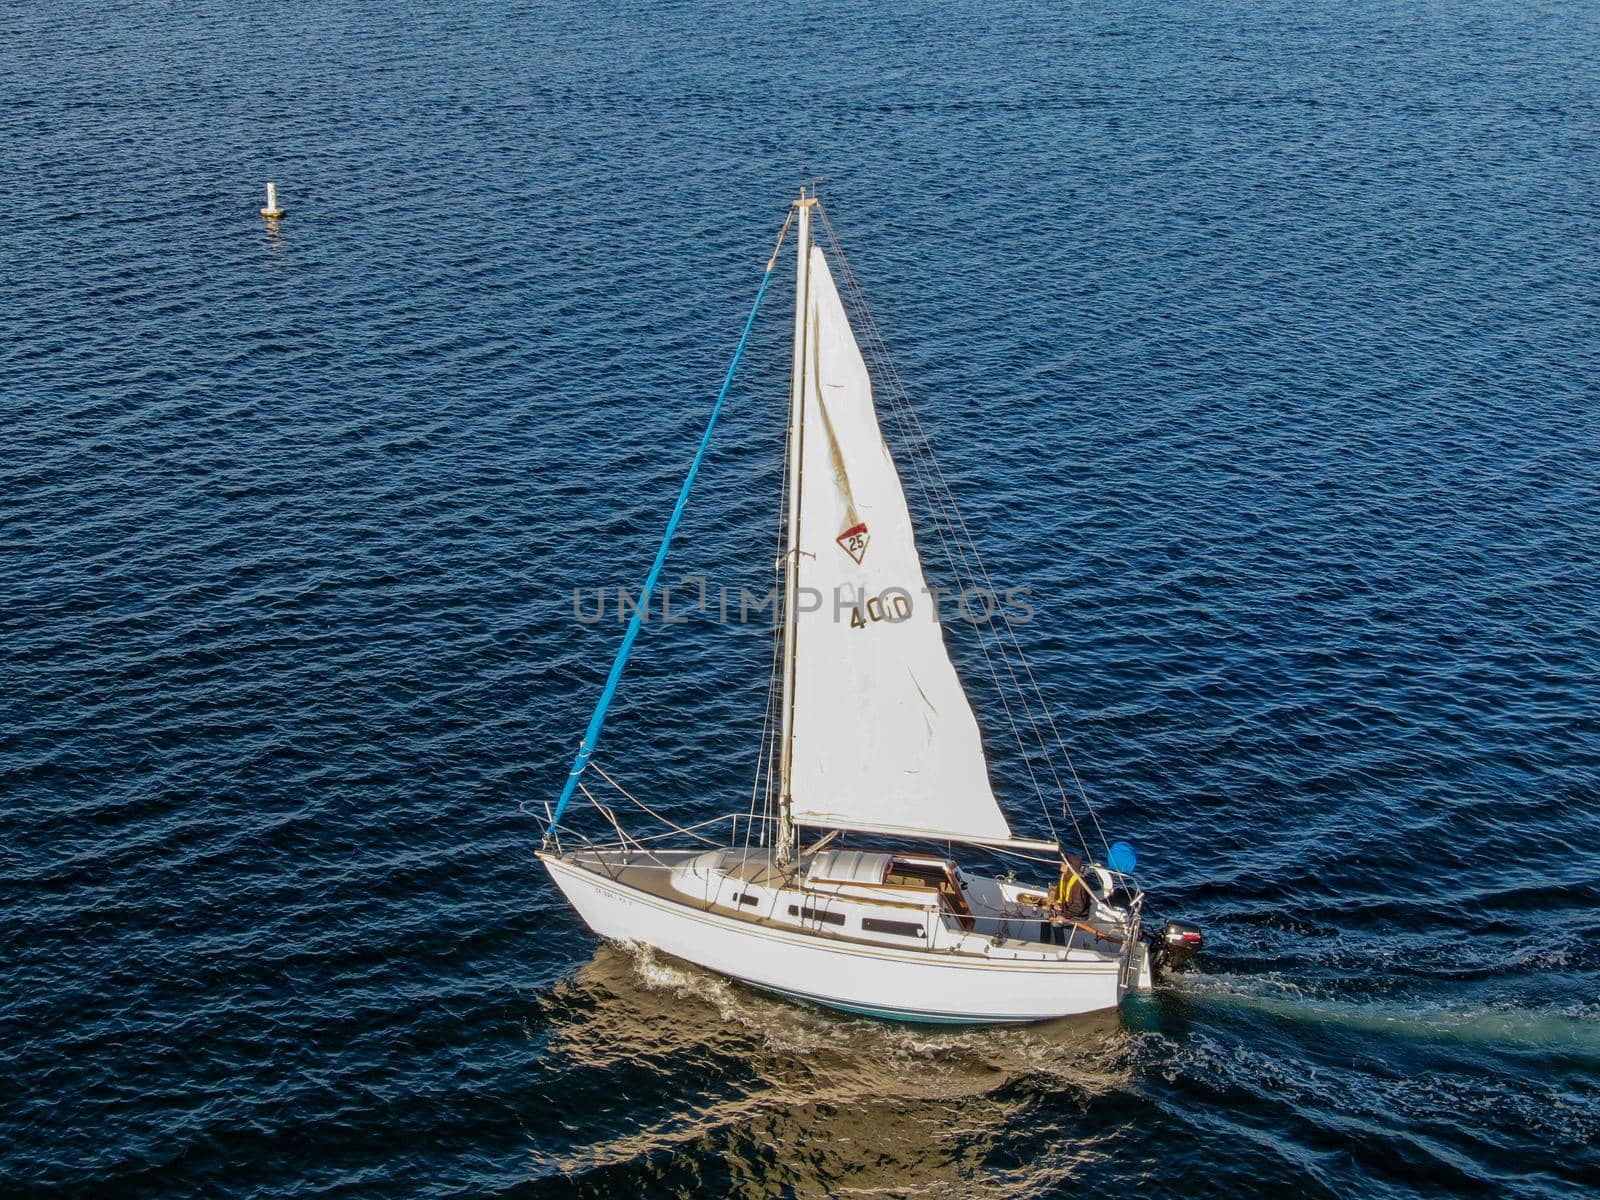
{"x":1572,"y":1029}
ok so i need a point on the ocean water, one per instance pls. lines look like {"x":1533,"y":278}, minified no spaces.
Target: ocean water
{"x":1258,"y":340}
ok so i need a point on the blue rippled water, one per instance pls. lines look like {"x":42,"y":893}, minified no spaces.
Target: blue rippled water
{"x":1259,"y":340}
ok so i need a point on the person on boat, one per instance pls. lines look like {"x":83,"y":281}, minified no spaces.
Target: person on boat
{"x":1067,"y":903}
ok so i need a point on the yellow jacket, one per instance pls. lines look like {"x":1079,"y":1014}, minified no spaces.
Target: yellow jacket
{"x":1062,"y":890}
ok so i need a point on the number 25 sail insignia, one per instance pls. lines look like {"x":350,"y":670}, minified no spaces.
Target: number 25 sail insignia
{"x":853,"y":541}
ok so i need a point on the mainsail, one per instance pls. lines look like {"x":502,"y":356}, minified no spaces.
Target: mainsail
{"x":884,"y":739}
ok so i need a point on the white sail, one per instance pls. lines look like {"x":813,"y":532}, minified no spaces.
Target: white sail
{"x":884,"y":739}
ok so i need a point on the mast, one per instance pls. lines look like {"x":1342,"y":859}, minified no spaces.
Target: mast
{"x":791,"y":574}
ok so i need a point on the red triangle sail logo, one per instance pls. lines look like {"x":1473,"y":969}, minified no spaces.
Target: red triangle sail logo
{"x":853,"y":541}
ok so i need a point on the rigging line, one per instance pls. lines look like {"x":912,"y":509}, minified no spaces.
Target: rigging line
{"x":766,"y":728}
{"x":623,"y":837}
{"x":963,"y":535}
{"x":672,"y":825}
{"x":955,"y":557}
{"x":938,"y":487}
{"x":763,"y":752}
{"x":919,"y":448}
{"x":773,"y":732}
{"x":597,"y":721}
{"x":944,"y":502}
{"x":772,"y":799}
{"x":761,"y":759}
{"x":767,"y":755}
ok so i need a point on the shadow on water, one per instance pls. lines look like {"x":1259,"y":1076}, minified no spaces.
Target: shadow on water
{"x":794,"y":1100}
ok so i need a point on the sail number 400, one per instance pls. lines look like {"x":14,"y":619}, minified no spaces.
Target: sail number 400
{"x":892,"y":605}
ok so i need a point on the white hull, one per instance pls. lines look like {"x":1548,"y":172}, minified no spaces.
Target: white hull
{"x":910,"y":985}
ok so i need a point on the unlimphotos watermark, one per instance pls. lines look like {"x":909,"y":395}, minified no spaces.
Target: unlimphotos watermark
{"x":694,"y":597}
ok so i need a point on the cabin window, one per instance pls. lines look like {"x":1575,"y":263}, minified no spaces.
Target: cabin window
{"x":746,"y":898}
{"x":898,"y":928}
{"x":816,"y":914}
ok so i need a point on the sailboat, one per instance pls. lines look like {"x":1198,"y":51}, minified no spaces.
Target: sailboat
{"x":875,"y":757}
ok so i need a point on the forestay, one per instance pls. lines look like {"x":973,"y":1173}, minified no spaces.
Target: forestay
{"x":884,"y":737}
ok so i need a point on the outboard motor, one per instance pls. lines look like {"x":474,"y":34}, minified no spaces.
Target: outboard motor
{"x":1178,"y":943}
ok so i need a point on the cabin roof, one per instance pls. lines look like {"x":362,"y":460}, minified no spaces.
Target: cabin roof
{"x":848,"y":866}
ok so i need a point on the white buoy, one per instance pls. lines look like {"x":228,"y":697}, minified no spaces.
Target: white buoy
{"x":272,"y":212}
